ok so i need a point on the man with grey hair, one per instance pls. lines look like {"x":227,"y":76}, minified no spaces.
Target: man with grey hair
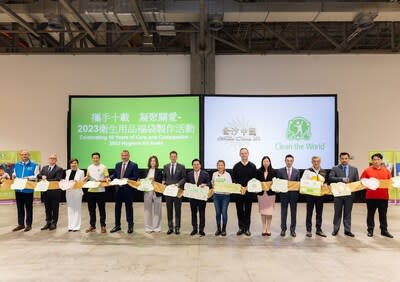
{"x":52,"y":198}
{"x":317,"y":201}
{"x":25,"y":169}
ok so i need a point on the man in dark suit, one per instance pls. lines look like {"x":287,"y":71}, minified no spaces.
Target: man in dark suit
{"x":52,"y":198}
{"x":124,"y":194}
{"x":343,"y":173}
{"x":291,"y":197}
{"x":317,"y":201}
{"x":174,"y":173}
{"x":200,"y":178}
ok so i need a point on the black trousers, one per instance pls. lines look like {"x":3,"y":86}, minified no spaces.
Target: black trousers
{"x":98,"y":198}
{"x":291,"y":198}
{"x":243,"y":210}
{"x":172,"y":202}
{"x":318,"y":202}
{"x":52,"y":200}
{"x":200,"y":207}
{"x":372,"y":206}
{"x":342,"y":205}
{"x":24,"y":205}
{"x":124,"y":194}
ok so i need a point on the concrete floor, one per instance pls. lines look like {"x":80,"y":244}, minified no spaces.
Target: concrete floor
{"x":62,"y":256}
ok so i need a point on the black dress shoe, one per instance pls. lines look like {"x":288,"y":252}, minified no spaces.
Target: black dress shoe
{"x":386,"y":234}
{"x":320,"y":233}
{"x":115,"y":229}
{"x":308,"y":234}
{"x":283,"y":233}
{"x":194,"y":232}
{"x":334,"y":233}
{"x":47,"y":226}
{"x":264,"y":234}
{"x":348,"y":233}
{"x":177,"y":232}
{"x":28,"y":228}
{"x":19,"y":227}
{"x":202,"y":234}
{"x":170,"y":231}
{"x":52,"y":227}
{"x":293,"y":234}
{"x":247,"y":233}
{"x":370,"y":234}
{"x":70,"y":230}
{"x":240,"y":232}
{"x":130,"y":230}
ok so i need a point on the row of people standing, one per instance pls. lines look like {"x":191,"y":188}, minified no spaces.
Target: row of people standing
{"x":175,"y":173}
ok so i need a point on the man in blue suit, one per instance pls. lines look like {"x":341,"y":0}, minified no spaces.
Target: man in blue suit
{"x":124,"y":194}
{"x":200,"y":178}
{"x":292,"y":174}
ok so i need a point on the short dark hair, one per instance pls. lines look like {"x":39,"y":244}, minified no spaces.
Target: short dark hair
{"x":244,"y":148}
{"x":289,"y":156}
{"x":73,"y":160}
{"x":95,"y":154}
{"x":149,"y":161}
{"x":378,"y":155}
{"x":221,"y":161}
{"x":173,"y":152}
{"x":344,"y":154}
{"x":196,"y":160}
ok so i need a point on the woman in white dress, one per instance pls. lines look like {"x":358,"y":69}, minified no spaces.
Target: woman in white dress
{"x":74,"y":197}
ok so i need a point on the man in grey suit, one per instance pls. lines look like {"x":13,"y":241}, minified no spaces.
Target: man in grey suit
{"x":292,"y":174}
{"x":174,"y":173}
{"x":343,"y":173}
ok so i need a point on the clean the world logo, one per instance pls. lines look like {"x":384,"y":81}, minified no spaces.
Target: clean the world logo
{"x":298,"y":129}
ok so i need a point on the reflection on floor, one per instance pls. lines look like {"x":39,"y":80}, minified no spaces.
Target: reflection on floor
{"x":62,"y":256}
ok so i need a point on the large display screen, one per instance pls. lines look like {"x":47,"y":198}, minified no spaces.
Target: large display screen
{"x":143,"y":125}
{"x":303,"y":126}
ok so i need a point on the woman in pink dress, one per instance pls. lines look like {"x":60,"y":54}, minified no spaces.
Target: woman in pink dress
{"x":266,"y":200}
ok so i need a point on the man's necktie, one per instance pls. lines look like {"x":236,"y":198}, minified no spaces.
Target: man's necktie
{"x":123,"y":170}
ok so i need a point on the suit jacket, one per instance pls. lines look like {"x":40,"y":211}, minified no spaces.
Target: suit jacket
{"x":260,"y":176}
{"x":79,"y":175}
{"x":131,"y":171}
{"x":158,"y":177}
{"x":337,"y":174}
{"x":178,"y":178}
{"x":282,"y":174}
{"x":56,"y":174}
{"x":204,"y":178}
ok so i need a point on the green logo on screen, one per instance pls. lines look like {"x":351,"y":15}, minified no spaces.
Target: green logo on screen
{"x":298,"y":129}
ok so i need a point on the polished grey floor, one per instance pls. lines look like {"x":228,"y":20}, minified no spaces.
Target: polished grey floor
{"x":62,"y":256}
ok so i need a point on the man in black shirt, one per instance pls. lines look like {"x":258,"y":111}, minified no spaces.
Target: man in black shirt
{"x":242,"y":172}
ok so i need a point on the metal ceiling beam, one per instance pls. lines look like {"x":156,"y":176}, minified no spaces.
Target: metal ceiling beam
{"x":139,"y":17}
{"x":202,"y":25}
{"x":326,"y":36}
{"x":280,"y":37}
{"x":17,"y":18}
{"x":67,"y":5}
{"x":243,"y":49}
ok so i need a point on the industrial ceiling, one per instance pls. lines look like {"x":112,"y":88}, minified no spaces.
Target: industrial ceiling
{"x":174,"y":26}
